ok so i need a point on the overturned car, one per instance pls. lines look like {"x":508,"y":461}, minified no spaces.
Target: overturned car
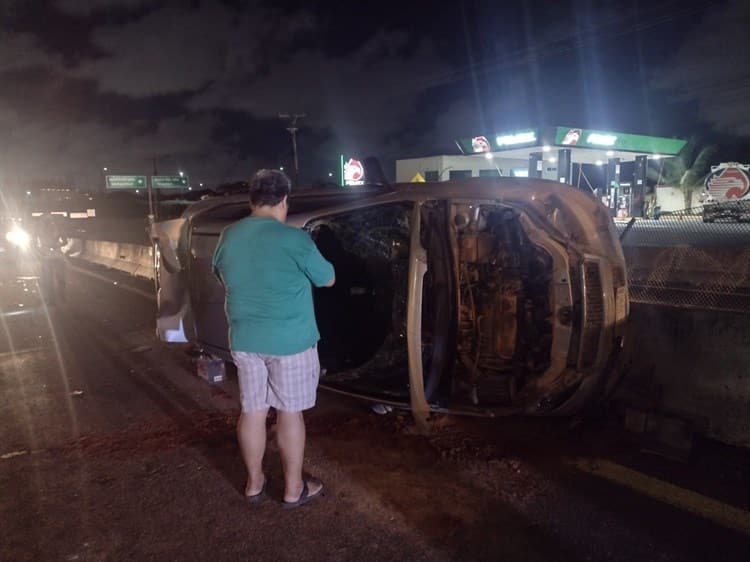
{"x":490,"y":296}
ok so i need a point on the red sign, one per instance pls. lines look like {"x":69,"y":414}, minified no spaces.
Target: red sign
{"x":354,"y":172}
{"x":480,"y":144}
{"x":728,"y":181}
{"x":572,"y":137}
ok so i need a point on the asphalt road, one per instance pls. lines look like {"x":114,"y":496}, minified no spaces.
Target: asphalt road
{"x":112,"y":449}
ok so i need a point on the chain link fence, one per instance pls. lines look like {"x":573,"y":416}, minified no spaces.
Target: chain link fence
{"x":695,"y":258}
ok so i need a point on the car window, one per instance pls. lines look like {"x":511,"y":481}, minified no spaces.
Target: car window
{"x":362,"y":319}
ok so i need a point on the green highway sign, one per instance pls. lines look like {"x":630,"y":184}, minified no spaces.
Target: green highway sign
{"x":170,"y":182}
{"x":126,"y":182}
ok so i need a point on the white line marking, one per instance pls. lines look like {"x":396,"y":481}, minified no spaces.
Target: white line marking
{"x":13,"y":454}
{"x":681,"y":498}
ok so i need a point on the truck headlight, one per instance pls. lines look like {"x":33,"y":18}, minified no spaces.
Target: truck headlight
{"x":18,"y":237}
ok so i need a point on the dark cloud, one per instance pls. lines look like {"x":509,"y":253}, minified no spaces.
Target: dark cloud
{"x":22,"y":50}
{"x":88,"y":7}
{"x":167,"y":51}
{"x":711,"y":70}
{"x":361,"y":97}
{"x":177,"y":49}
{"x":199,"y":84}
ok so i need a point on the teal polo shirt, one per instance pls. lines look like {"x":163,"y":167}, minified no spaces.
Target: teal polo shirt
{"x":268,"y":269}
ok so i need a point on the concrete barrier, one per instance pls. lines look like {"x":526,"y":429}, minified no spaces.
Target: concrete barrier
{"x":693,"y":365}
{"x":134,"y":259}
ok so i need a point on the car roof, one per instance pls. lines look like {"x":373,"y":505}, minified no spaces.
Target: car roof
{"x":499,"y":189}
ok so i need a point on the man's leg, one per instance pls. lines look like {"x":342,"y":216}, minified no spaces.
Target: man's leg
{"x":290,"y":435}
{"x":251,"y":433}
{"x":252,"y":376}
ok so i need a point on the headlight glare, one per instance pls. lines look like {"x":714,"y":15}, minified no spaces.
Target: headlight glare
{"x":18,"y":237}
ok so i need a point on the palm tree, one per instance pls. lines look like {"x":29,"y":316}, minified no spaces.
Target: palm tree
{"x":688,"y":169}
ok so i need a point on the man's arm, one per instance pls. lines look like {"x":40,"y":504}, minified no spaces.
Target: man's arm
{"x":216,"y":258}
{"x":319,"y":271}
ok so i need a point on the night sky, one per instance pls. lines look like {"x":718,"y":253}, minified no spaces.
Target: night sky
{"x":199,"y":84}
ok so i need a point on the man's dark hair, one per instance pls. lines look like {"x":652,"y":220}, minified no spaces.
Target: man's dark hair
{"x":269,"y":187}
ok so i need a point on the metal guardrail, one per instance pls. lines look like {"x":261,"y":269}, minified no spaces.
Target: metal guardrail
{"x":696,"y":258}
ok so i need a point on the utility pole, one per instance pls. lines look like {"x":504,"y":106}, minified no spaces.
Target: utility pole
{"x":153,"y":210}
{"x":152,"y":217}
{"x":292,"y":128}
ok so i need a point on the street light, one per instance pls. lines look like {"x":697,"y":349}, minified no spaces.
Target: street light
{"x":330,"y":174}
{"x":181,"y":174}
{"x":281,"y":168}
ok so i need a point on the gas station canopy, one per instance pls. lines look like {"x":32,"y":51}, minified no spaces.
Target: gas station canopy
{"x":588,"y":146}
{"x":578,"y":146}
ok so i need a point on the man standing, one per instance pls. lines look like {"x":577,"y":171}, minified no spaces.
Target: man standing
{"x":267,"y":269}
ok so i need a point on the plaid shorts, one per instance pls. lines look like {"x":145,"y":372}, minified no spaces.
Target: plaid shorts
{"x":285,"y":382}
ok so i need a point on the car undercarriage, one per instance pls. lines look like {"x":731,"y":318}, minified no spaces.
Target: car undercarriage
{"x":486,"y":310}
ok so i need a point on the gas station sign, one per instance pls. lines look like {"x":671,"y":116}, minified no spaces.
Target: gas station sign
{"x":571,"y":137}
{"x":515,"y":139}
{"x":352,"y":171}
{"x":588,"y":138}
{"x":480,"y":144}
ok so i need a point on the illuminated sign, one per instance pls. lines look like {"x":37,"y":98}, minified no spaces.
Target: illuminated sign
{"x":524,"y":137}
{"x":573,"y":137}
{"x":586,"y":138}
{"x":170,"y":182}
{"x":480,"y":144}
{"x":599,"y":138}
{"x":352,"y":172}
{"x":499,"y":141}
{"x":728,"y":181}
{"x":125,"y":182}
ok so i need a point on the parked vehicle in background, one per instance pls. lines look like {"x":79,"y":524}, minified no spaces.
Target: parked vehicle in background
{"x":727,"y":193}
{"x":488,"y":296}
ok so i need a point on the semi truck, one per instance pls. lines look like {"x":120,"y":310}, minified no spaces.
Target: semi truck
{"x":727,"y":193}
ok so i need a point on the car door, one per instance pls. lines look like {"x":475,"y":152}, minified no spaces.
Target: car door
{"x":369,"y":321}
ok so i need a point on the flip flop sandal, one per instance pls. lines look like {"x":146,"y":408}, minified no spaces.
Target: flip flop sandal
{"x":305,"y":496}
{"x":257,"y":498}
